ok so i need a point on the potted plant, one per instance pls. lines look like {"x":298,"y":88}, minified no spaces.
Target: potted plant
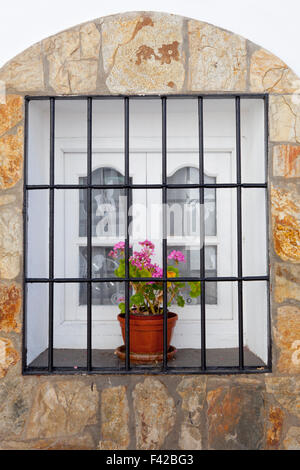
{"x":146,"y":299}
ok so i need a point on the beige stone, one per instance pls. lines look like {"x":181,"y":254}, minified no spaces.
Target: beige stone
{"x":7,"y":199}
{"x":269,"y":74}
{"x":285,"y":118}
{"x":10,"y":304}
{"x":192,"y":391}
{"x":154,"y":414}
{"x":286,"y":390}
{"x":11,"y":112}
{"x":8,"y":356}
{"x":83,"y":442}
{"x":25,"y":72}
{"x":218,"y":59}
{"x":114,"y":419}
{"x":143,"y":54}
{"x":286,"y":223}
{"x":287,"y":338}
{"x":11,"y":159}
{"x":190,"y":438}
{"x":10,"y":242}
{"x":286,"y":282}
{"x":292,"y":440}
{"x":62,"y":408}
{"x":286,"y":161}
{"x":73,"y":59}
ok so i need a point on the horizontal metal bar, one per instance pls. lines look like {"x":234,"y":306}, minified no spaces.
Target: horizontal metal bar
{"x":31,"y":187}
{"x":146,"y":279}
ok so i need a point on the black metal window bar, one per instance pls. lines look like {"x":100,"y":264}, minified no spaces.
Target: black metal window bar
{"x":128,"y":186}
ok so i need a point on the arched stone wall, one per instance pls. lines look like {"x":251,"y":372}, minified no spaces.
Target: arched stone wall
{"x":153,"y":53}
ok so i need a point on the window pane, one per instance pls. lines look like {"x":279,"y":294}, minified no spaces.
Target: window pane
{"x":38,"y":233}
{"x":37,"y":322}
{"x":38,"y":142}
{"x":70,"y":141}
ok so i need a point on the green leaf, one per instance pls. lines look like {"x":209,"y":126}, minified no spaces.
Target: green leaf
{"x":137,"y":299}
{"x":172,"y":269}
{"x":180,"y":301}
{"x":122,"y":307}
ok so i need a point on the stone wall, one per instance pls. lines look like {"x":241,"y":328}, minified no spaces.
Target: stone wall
{"x":148,"y":53}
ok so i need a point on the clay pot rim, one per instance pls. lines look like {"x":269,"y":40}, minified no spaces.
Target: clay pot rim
{"x":134,"y":316}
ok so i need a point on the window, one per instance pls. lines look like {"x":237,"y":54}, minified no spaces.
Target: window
{"x":187,"y":173}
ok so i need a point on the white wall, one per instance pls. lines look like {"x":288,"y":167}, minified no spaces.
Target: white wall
{"x":273,"y":24}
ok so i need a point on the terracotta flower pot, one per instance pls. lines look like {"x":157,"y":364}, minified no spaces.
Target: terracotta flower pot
{"x":146,"y":332}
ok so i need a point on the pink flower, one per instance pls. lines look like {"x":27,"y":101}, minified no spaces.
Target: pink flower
{"x":177,"y":256}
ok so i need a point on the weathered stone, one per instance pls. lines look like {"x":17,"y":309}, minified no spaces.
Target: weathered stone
{"x":235,"y":417}
{"x":270,"y":74}
{"x":143,"y":54}
{"x":7,"y":199}
{"x":11,"y":112}
{"x":275,"y":428}
{"x":286,"y":282}
{"x":292,"y":440}
{"x":10,"y":242}
{"x":285,"y":118}
{"x":62,"y":408}
{"x":286,"y":161}
{"x":11,"y":158}
{"x":286,"y":224}
{"x":10,"y":304}
{"x":114,"y":419}
{"x":25,"y":72}
{"x":83,"y":442}
{"x":192,"y":390}
{"x":73,"y":59}
{"x":8,"y":356}
{"x":15,"y":402}
{"x":154,"y":414}
{"x":217,"y":59}
{"x":287,"y":338}
{"x":286,"y":390}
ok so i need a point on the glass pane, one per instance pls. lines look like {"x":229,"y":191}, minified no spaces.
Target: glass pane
{"x":37,"y":322}
{"x":108,"y":140}
{"x":254,"y":226}
{"x":255,"y":300}
{"x":219,"y":139}
{"x":145,"y":136}
{"x":70,"y":329}
{"x":70,"y":141}
{"x":38,"y":142}
{"x":38,"y":233}
{"x":253,"y":141}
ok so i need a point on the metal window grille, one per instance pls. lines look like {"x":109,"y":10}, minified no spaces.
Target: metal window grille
{"x":127,"y":368}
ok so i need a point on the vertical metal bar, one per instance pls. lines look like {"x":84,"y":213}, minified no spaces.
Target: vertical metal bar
{"x":164,"y":224}
{"x":127,"y":285}
{"x":266,"y":121}
{"x":51,"y":232}
{"x":24,"y":336}
{"x":202,"y":233}
{"x":89,"y":234}
{"x":239,"y":231}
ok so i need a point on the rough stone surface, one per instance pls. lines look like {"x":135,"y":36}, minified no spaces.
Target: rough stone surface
{"x":143,"y":54}
{"x":269,"y":74}
{"x":192,"y":391}
{"x":285,"y":118}
{"x":62,"y":408}
{"x":217,"y":59}
{"x":83,"y":442}
{"x":274,"y":431}
{"x":10,"y":242}
{"x":114,"y":419}
{"x":11,"y":159}
{"x":154,"y":414}
{"x":287,"y":337}
{"x":10,"y":304}
{"x":286,"y":282}
{"x":286,"y":161}
{"x":235,"y":417}
{"x":286,"y":391}
{"x":11,"y":112}
{"x":292,"y":440}
{"x":25,"y":72}
{"x":8,"y":356}
{"x":286,"y":224}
